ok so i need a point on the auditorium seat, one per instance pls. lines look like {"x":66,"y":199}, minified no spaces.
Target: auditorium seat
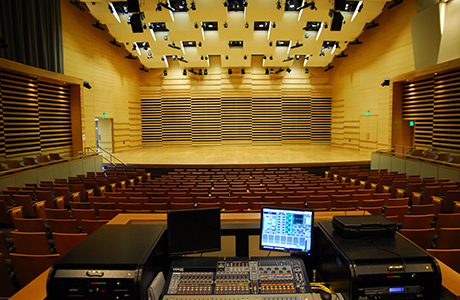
{"x":292,"y":204}
{"x":239,"y":206}
{"x":30,"y":225}
{"x":319,"y":205}
{"x":83,"y":214}
{"x":79,"y":205}
{"x":13,"y":164}
{"x":7,"y":288}
{"x":65,"y":242}
{"x":6,"y":198}
{"x":90,"y":226}
{"x":448,"y":238}
{"x":373,"y":203}
{"x":27,"y":205}
{"x":63,"y":225}
{"x":4,"y":216}
{"x":450,"y":257}
{"x":50,"y":201}
{"x":182,"y":205}
{"x":31,"y":242}
{"x":421,"y":237}
{"x":447,"y":221}
{"x":346,"y":204}
{"x":449,"y":199}
{"x":398,"y":201}
{"x":108,"y":214}
{"x":376,"y":210}
{"x":399,"y":211}
{"x":27,"y":267}
{"x":417,"y":221}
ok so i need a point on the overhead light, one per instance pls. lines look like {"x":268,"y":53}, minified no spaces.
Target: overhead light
{"x":130,"y":56}
{"x":297,"y":57}
{"x":386,"y":82}
{"x":307,"y":71}
{"x":86,"y":84}
{"x":226,"y":57}
{"x":342,"y":54}
{"x":355,"y":42}
{"x":165,"y":73}
{"x":266,"y":72}
{"x":200,"y":72}
{"x":159,"y":8}
{"x":202,"y":57}
{"x":143,"y":69}
{"x":243,"y":71}
{"x":245,"y":57}
{"x":274,"y":25}
{"x":272,"y":71}
{"x":115,"y":43}
{"x":182,"y":60}
{"x":205,"y":71}
{"x":297,"y":45}
{"x":271,"y":57}
{"x":395,"y":3}
{"x":200,"y":44}
{"x":196,"y":25}
{"x":174,"y":46}
{"x":264,"y":57}
{"x":76,"y":3}
{"x":373,"y":25}
{"x":246,"y":25}
{"x":311,"y":5}
{"x":288,"y":59}
{"x":288,"y":70}
{"x":225,"y":25}
{"x":225,"y":4}
{"x":230,"y":71}
{"x":329,"y":67}
{"x":114,"y":12}
{"x":184,"y":72}
{"x":193,"y":5}
{"x":166,"y":6}
{"x":278,"y":5}
{"x":136,"y":47}
{"x":98,"y":26}
{"x":357,"y":10}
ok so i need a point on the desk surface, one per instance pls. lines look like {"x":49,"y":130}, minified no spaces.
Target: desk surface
{"x":36,"y":290}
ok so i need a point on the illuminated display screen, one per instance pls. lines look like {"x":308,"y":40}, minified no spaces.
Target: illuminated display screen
{"x":286,"y":229}
{"x":396,"y":290}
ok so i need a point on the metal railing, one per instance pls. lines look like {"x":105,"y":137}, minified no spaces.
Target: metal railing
{"x":106,"y":156}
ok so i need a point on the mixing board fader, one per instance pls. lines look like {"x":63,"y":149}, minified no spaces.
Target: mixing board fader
{"x":233,"y":277}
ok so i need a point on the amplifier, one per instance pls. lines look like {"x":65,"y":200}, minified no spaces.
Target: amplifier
{"x":115,"y":262}
{"x":387,"y":268}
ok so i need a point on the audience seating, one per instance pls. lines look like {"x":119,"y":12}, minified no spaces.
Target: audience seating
{"x":64,"y":242}
{"x":30,"y":242}
{"x":7,"y":288}
{"x":90,"y":226}
{"x":417,"y":221}
{"x":421,"y":237}
{"x":30,"y":225}
{"x":63,"y":225}
{"x":448,"y":238}
{"x":4,"y":216}
{"x":27,"y":267}
{"x":448,"y":256}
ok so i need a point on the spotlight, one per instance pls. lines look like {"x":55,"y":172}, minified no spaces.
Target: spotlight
{"x":288,"y":59}
{"x":230,"y":72}
{"x":395,"y":3}
{"x":245,"y":57}
{"x":288,"y":70}
{"x":159,"y":8}
{"x":274,"y":25}
{"x":297,"y":57}
{"x":149,"y":56}
{"x":265,"y":57}
{"x":200,"y":72}
{"x":307,"y":71}
{"x":311,"y":5}
{"x":246,"y":25}
{"x":205,"y":71}
{"x":143,"y":69}
{"x":86,"y":84}
{"x":130,"y":56}
{"x":272,"y":71}
{"x":226,"y":57}
{"x":373,"y":25}
{"x":271,"y":57}
{"x":115,"y":43}
{"x":165,"y":73}
{"x":342,"y":54}
{"x":196,"y":25}
{"x":202,"y":57}
{"x":225,"y":25}
{"x":243,"y":71}
{"x":329,"y":67}
{"x":278,"y":5}
{"x":386,"y":82}
{"x":225,"y":4}
{"x":184,"y":72}
{"x":77,"y":5}
{"x":200,"y":44}
{"x":270,"y":44}
{"x":98,"y":26}
{"x":266,"y":72}
{"x":193,"y":6}
{"x":167,"y":6}
{"x":174,"y":46}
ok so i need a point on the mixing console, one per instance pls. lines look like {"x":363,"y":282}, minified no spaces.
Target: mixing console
{"x":232,"y":277}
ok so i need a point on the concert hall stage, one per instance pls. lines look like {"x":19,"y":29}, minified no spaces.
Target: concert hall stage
{"x":304,"y":156}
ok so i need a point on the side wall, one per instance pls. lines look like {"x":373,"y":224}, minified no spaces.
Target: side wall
{"x":114,"y":79}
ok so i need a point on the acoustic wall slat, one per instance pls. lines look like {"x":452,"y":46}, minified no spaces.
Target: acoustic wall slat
{"x":266,"y":120}
{"x":296,"y":119}
{"x":54,"y":115}
{"x":321,"y":120}
{"x":206,"y":121}
{"x":176,"y":121}
{"x":2,"y":128}
{"x":151,"y":122}
{"x":446,"y":120}
{"x":236,"y":120}
{"x":20,"y":115}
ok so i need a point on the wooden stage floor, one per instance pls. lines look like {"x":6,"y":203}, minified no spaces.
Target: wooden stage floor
{"x":241,"y":156}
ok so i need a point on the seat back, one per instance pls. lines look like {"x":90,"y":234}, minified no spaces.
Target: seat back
{"x":421,"y":237}
{"x":448,"y":238}
{"x":31,"y":242}
{"x":26,"y":202}
{"x":90,"y":226}
{"x":447,"y":221}
{"x":15,"y":212}
{"x":30,"y":225}
{"x":4,"y":217}
{"x":64,"y":242}
{"x":417,"y":221}
{"x":7,"y":288}
{"x":27,"y":267}
{"x":447,"y":256}
{"x":63,"y":225}
{"x":83,"y":214}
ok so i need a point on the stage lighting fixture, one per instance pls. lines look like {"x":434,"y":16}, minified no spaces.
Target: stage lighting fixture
{"x":246,"y":25}
{"x":274,"y":25}
{"x":193,"y":5}
{"x":297,"y":45}
{"x":386,"y":82}
{"x":77,"y":5}
{"x":115,"y":43}
{"x":288,"y":70}
{"x":202,"y":57}
{"x":355,"y":42}
{"x":167,"y":6}
{"x":130,"y":56}
{"x":159,"y":8}
{"x":165,"y":73}
{"x":311,"y":5}
{"x":395,"y":3}
{"x":225,"y":4}
{"x":297,"y":57}
{"x":196,"y":25}
{"x":272,"y":71}
{"x":174,"y":46}
{"x":87,"y":85}
{"x":143,"y":69}
{"x":200,"y":72}
{"x":226,"y":57}
{"x":205,"y":71}
{"x":278,"y":5}
{"x":149,"y":56}
{"x":264,"y":57}
{"x":184,"y":72}
{"x":200,"y":44}
{"x":307,"y":71}
{"x":266,"y":72}
{"x":243,"y":71}
{"x":98,"y":26}
{"x":182,"y":60}
{"x":373,"y":25}
{"x":329,"y":67}
{"x":288,"y":59}
{"x":230,"y":72}
{"x":225,"y":25}
{"x":245,"y":57}
{"x":271,"y":57}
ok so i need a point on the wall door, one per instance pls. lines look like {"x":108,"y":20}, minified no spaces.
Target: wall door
{"x":104,"y":134}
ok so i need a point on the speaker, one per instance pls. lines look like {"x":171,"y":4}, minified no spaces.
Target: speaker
{"x":133,"y":6}
{"x":339,"y":5}
{"x":336,"y":22}
{"x":136,"y":23}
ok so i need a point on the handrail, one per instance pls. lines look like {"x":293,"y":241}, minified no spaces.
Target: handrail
{"x":111,"y":156}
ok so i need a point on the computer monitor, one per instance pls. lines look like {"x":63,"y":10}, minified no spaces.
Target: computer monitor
{"x":286,"y":229}
{"x":193,"y":231}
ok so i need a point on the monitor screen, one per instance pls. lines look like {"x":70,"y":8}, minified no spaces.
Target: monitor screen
{"x":193,"y":231}
{"x":286,"y":229}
